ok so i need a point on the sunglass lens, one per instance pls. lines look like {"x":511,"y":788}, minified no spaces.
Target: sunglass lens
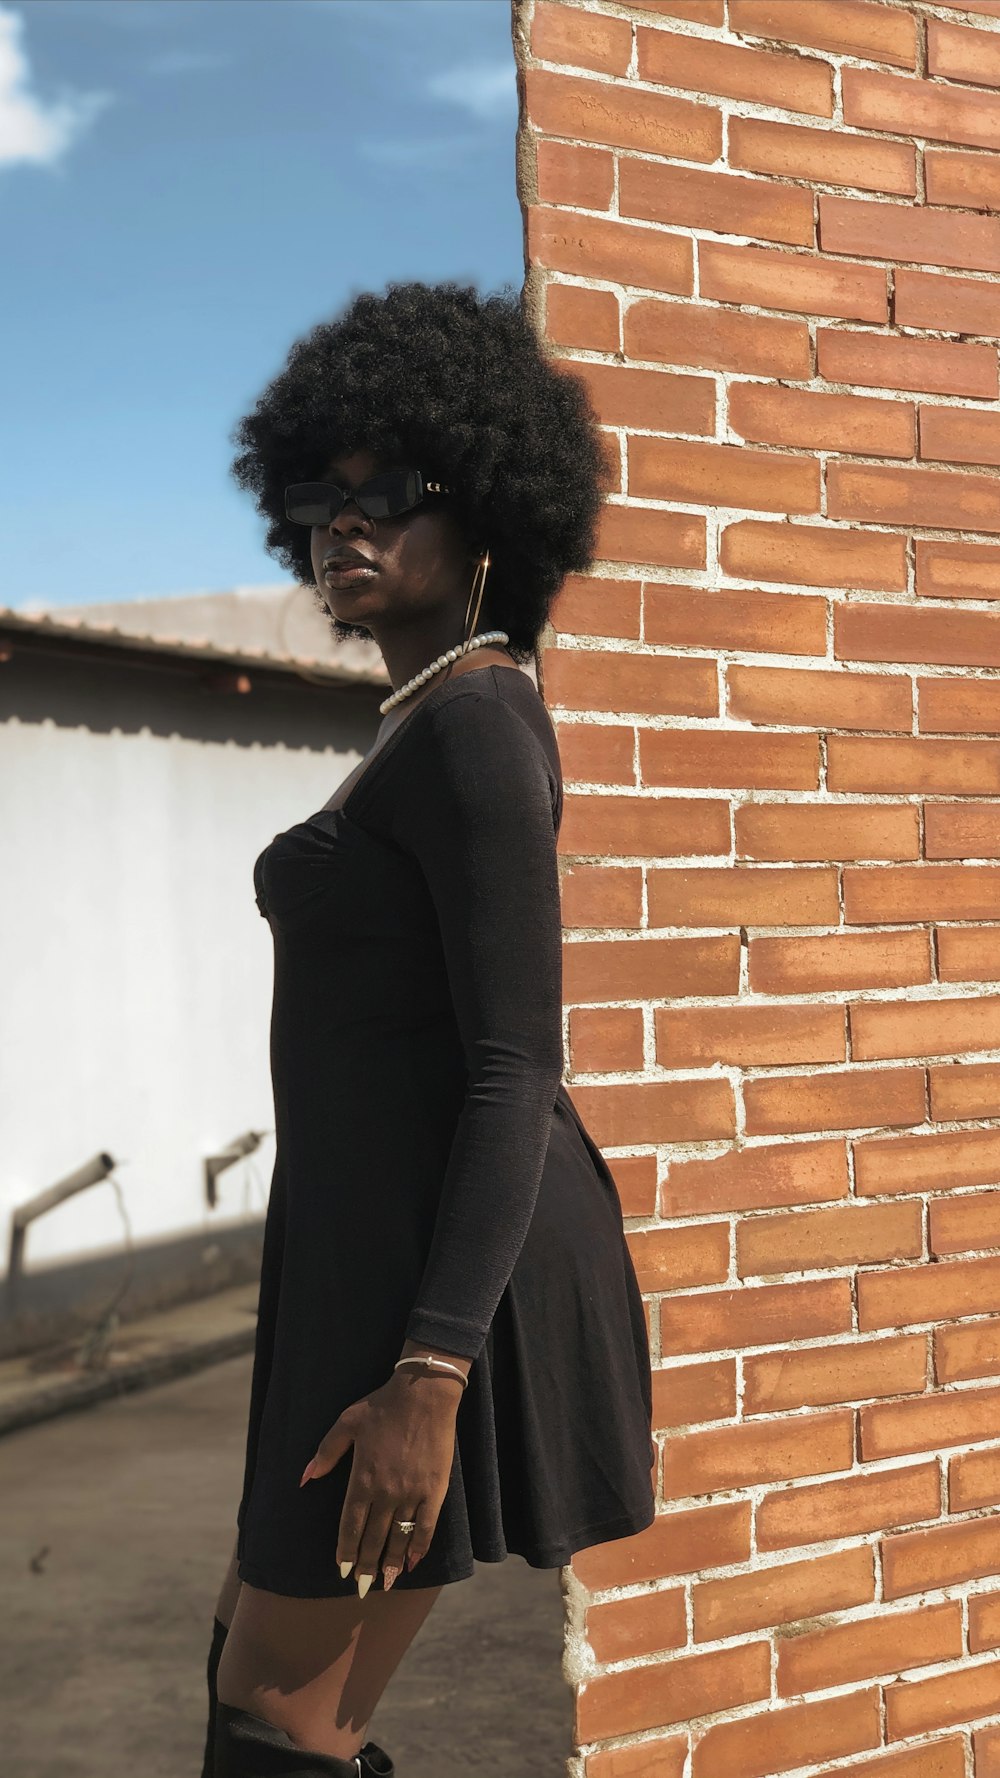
{"x":312,"y":503}
{"x":384,"y":496}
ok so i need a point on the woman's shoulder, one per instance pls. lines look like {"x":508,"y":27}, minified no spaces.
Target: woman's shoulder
{"x":498,"y":709}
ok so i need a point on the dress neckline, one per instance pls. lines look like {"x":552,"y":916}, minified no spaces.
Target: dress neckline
{"x":429,"y":698}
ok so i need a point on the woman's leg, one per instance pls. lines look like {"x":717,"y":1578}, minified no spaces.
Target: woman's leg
{"x":317,"y":1667}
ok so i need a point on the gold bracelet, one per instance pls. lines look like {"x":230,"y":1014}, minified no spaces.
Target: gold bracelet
{"x":438,"y":1363}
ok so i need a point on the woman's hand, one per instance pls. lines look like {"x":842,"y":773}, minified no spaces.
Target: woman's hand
{"x":404,"y":1440}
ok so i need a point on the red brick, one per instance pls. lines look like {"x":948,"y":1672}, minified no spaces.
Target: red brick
{"x":828,"y":157}
{"x":966,"y":1224}
{"x":902,"y":1428}
{"x":591,"y":605}
{"x":642,"y":535}
{"x":824,"y":1376}
{"x":717,"y":339}
{"x":814,"y":555}
{"x":624,"y":1629}
{"x":782,"y":1594}
{"x":807,"y":1240}
{"x":746,"y":620}
{"x":920,"y":892}
{"x":641,"y":826}
{"x":907,"y":766}
{"x":812,"y":420}
{"x":653,"y":400}
{"x":965,"y":1090}
{"x":958,"y":435}
{"x":876,"y":362}
{"x":695,"y":12}
{"x":580,"y":39}
{"x":590,"y":247}
{"x":947,"y":570}
{"x":944,"y":1161}
{"x":973,"y":1481}
{"x":969,"y":956}
{"x":908,"y":107}
{"x":940,"y":1556}
{"x":635,"y":1182}
{"x":662,"y":1758}
{"x":948,"y":500}
{"x":726,"y":475}
{"x":924,"y":1027}
{"x":595,"y":753}
{"x":934,"y":1759}
{"x":798,"y":281}
{"x":956,"y":830}
{"x":849,"y":1508}
{"x":775,"y":1740}
{"x":721,"y":202}
{"x":913,"y":633}
{"x":757,"y":1315}
{"x":721,"y":757}
{"x":839,"y":961}
{"x":649,"y":968}
{"x":954,"y":53}
{"x":618,"y":684}
{"x":606,"y":1039}
{"x":569,"y":174}
{"x":956,"y":706}
{"x":628,"y":1700}
{"x":748,"y":1036}
{"x":848,"y":27}
{"x":949,"y":305}
{"x":909,"y":232}
{"x":851,"y":1100}
{"x":599,"y":112}
{"x":917,"y":1706}
{"x":747,"y":895}
{"x":689,"y":1394}
{"x":986,"y":1742}
{"x":822,"y":698}
{"x":679,"y":1259}
{"x":984,"y":1623}
{"x":748,"y":1455}
{"x":949,"y":1290}
{"x":789,"y":83}
{"x":657,"y":1111}
{"x":840,"y":830}
{"x":589,"y":319}
{"x":972,"y":181}
{"x":594,"y":896}
{"x":964,"y":1353}
{"x":757,"y":1178}
{"x":868,"y":1648}
{"x":675,"y":1543}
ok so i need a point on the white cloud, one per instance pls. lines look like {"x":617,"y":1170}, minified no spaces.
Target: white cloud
{"x":487,"y":89}
{"x":32,"y":129}
{"x":417,"y":151}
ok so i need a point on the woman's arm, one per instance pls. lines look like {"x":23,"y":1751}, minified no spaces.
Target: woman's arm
{"x":478,"y":818}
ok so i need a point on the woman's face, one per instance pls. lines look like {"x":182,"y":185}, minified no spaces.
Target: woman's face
{"x":417,"y":567}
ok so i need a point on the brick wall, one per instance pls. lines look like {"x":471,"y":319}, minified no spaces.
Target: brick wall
{"x":762,"y":231}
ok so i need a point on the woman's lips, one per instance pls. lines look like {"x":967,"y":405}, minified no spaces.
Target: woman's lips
{"x":346,"y":573}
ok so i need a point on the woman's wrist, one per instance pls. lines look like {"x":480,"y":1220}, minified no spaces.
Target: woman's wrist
{"x":450,"y":1370}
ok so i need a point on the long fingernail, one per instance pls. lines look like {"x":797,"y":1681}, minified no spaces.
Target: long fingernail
{"x":345,"y":1569}
{"x":389,"y":1575}
{"x":364,"y":1582}
{"x":306,"y":1473}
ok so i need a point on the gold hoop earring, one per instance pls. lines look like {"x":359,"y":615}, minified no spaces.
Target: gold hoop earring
{"x":482,"y":569}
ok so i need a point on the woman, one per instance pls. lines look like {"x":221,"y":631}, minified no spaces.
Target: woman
{"x":451,"y":1362}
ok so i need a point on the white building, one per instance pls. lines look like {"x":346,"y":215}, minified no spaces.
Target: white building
{"x":148,"y":752}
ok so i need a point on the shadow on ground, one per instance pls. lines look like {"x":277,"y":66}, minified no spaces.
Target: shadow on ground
{"x":116,"y":1525}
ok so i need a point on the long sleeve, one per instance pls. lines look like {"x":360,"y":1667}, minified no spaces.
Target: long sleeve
{"x":478,"y":819}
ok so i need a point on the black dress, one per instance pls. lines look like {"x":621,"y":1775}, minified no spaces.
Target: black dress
{"x":432,"y":1178}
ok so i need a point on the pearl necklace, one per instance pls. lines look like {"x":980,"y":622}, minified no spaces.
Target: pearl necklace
{"x":443,"y":660}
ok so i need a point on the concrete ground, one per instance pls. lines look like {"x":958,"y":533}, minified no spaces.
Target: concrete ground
{"x":116,"y":1525}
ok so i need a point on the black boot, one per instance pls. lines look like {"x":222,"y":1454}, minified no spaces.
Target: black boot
{"x":248,"y":1747}
{"x":375,"y":1762}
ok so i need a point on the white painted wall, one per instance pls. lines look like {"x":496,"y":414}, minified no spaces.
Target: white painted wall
{"x":136,"y":991}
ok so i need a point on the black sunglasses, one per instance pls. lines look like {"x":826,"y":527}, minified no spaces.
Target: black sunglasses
{"x":384,"y":496}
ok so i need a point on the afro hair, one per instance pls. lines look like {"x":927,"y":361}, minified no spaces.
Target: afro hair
{"x":458,"y":385}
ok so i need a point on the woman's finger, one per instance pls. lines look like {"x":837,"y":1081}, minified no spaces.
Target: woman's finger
{"x":397,"y":1544}
{"x":353,"y":1518}
{"x":332,"y":1448}
{"x":426,"y":1516}
{"x":373,"y":1538}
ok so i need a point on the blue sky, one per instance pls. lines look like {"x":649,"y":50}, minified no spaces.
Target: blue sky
{"x":185,"y":189}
